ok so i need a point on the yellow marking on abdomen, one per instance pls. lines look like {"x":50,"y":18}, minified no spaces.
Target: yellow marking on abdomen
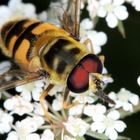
{"x":20,"y":55}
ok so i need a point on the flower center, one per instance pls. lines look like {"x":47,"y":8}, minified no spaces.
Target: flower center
{"x":123,"y":97}
{"x":108,"y":122}
{"x":109,"y":8}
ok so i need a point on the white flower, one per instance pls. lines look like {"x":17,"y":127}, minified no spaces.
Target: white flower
{"x":110,"y":125}
{"x":76,"y":109}
{"x":87,"y":24}
{"x":134,"y":3}
{"x":16,"y":9}
{"x":42,"y":16}
{"x":124,"y":99}
{"x":57,"y":104}
{"x":24,"y":130}
{"x":98,"y":39}
{"x":112,"y":10}
{"x":83,"y":98}
{"x":47,"y":135}
{"x":22,"y":9}
{"x":92,"y":7}
{"x":138,"y":80}
{"x":18,"y":105}
{"x":95,"y":111}
{"x":5,"y":122}
{"x":38,"y":110}
{"x":14,"y":136}
{"x":76,"y":126}
{"x":34,"y":89}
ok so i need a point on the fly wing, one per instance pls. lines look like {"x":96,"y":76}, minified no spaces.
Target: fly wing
{"x":15,"y":78}
{"x":74,"y":15}
{"x":67,"y":15}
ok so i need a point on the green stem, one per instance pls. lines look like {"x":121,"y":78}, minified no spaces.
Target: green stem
{"x":45,"y":127}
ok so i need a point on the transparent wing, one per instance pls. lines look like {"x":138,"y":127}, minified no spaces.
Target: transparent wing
{"x":67,"y":15}
{"x":15,"y":78}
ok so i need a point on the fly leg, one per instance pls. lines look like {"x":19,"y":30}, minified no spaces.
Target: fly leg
{"x":43,"y":102}
{"x":87,"y":43}
{"x":66,"y":104}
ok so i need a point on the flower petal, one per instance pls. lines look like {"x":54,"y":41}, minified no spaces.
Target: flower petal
{"x":114,"y":115}
{"x":111,"y":20}
{"x":121,"y":12}
{"x":120,"y":126}
{"x":111,"y":133}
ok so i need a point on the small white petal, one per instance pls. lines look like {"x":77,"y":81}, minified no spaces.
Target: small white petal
{"x":101,"y":38}
{"x":134,"y":99}
{"x":138,"y":80}
{"x":118,"y":2}
{"x":111,"y":20}
{"x":57,"y":104}
{"x":12,"y":136}
{"x":43,"y":16}
{"x":111,"y":133}
{"x":120,"y":126}
{"x":101,"y":12}
{"x":5,"y":122}
{"x":98,"y":126}
{"x":47,"y":135}
{"x":112,"y":95}
{"x":87,"y":24}
{"x":76,"y":110}
{"x":127,"y":107}
{"x":76,"y":126}
{"x":38,"y":109}
{"x":114,"y":115}
{"x":121,"y":12}
{"x":33,"y":136}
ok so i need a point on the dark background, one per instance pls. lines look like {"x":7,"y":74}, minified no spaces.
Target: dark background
{"x":122,"y":58}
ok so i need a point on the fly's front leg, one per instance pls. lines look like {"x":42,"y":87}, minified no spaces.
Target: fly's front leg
{"x":87,"y":43}
{"x":66,"y":103}
{"x":43,"y":102}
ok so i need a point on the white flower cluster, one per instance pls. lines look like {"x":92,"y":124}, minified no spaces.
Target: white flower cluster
{"x":16,"y":9}
{"x":71,"y":123}
{"x":112,"y":10}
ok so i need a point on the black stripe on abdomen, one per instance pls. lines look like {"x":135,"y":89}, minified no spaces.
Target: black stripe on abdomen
{"x":5,"y":29}
{"x":25,"y":35}
{"x":16,"y":29}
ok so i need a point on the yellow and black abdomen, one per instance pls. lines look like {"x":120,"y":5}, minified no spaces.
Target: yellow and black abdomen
{"x":20,"y":39}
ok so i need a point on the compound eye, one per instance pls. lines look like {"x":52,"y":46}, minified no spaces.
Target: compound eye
{"x":78,"y":80}
{"x":92,"y":64}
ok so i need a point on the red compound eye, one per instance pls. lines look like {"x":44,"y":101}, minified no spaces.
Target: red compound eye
{"x":78,"y":80}
{"x":92,"y":64}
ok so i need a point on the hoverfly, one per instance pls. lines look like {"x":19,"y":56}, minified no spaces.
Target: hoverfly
{"x":43,"y":50}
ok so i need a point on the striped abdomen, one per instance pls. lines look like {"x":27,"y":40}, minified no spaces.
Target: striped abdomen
{"x":20,"y":39}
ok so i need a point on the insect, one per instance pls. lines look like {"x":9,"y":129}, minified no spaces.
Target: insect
{"x":43,"y":50}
